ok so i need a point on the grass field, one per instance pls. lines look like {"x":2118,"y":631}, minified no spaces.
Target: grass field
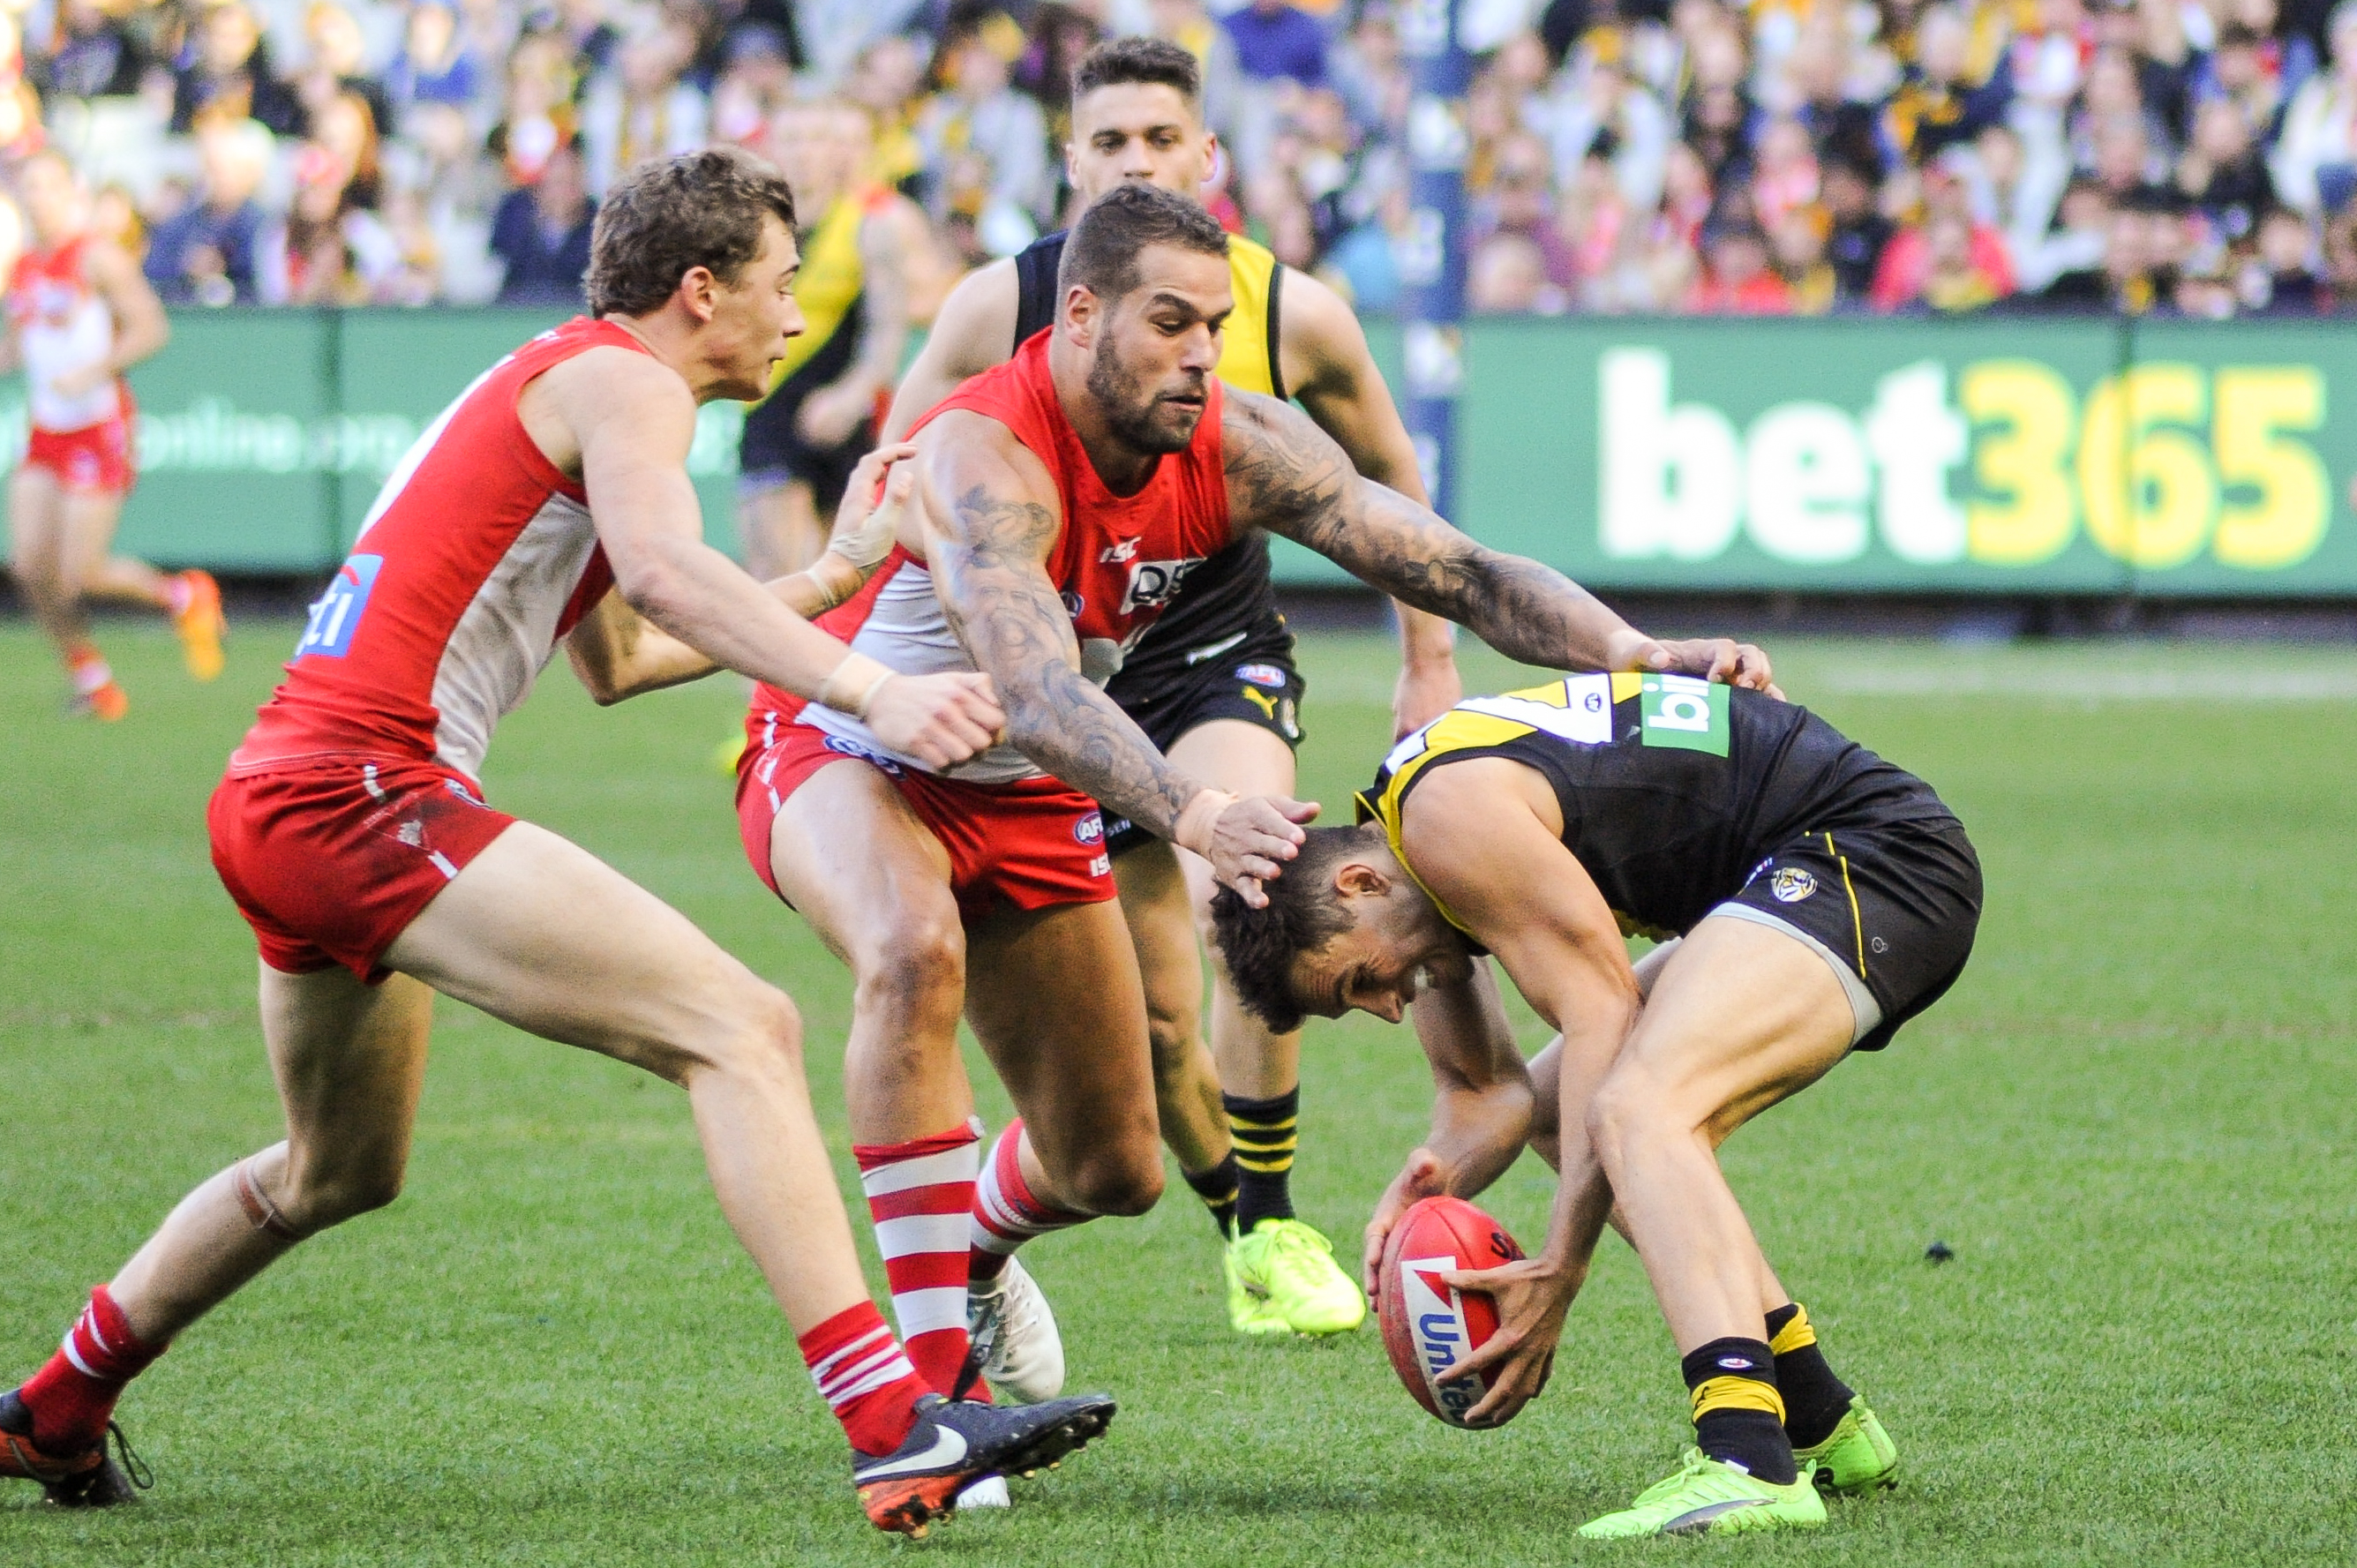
{"x":2133,"y":1122}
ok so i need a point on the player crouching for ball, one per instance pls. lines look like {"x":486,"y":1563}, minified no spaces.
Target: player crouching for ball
{"x":1823,"y":897}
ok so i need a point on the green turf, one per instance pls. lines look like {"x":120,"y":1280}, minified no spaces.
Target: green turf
{"x":2133,"y":1120}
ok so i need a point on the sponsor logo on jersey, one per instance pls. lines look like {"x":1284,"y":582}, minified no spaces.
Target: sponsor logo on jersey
{"x":1116,"y":827}
{"x":1791,"y":884}
{"x":1153,"y":584}
{"x":336,"y":617}
{"x":1261,"y":700}
{"x":1122,"y":549}
{"x":1090,"y":829}
{"x":1261,"y":675}
{"x":1683,"y":713}
{"x":1101,"y":867}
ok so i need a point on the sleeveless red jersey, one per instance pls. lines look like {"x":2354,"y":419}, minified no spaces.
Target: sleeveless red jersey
{"x":1117,"y":561}
{"x":477,"y":556}
{"x":63,"y":326}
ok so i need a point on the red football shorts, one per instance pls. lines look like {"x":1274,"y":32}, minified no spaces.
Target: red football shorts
{"x":95,"y":459}
{"x":1029,"y":845}
{"x":330,"y":857}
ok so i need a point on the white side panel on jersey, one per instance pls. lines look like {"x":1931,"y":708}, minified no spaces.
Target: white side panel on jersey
{"x":906,"y":630}
{"x":1583,"y":719}
{"x":68,"y":334}
{"x":508,"y":632}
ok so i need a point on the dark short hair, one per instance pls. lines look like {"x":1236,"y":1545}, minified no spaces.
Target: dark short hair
{"x":1303,"y":914}
{"x":1149,"y":61}
{"x":1102,"y":253}
{"x":699,"y":209}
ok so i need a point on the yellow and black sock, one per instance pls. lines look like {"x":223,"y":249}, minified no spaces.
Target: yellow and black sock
{"x":1265,"y":1134}
{"x":1814,"y":1400}
{"x":1217,"y":1188}
{"x":1739,"y":1414}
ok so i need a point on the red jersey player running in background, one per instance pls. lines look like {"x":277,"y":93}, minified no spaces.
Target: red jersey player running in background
{"x":81,"y":315}
{"x":352,"y":831}
{"x":1065,"y":495}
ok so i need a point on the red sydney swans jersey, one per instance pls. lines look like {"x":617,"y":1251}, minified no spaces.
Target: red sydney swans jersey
{"x":476,"y":557}
{"x":1118,"y":560}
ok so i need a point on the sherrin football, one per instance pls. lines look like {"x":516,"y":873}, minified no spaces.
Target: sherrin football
{"x":1428,"y":1325}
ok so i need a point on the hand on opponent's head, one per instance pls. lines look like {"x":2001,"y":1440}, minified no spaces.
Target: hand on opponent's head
{"x":1247,"y":841}
{"x":1718,"y":659}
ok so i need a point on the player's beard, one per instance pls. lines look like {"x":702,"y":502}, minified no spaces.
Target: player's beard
{"x":1130,"y":409}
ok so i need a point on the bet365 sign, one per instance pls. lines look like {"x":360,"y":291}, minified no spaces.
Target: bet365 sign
{"x":2002,"y":464}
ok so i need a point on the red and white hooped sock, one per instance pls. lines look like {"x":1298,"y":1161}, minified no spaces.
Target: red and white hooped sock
{"x":920,"y":1193}
{"x":864,"y":1377}
{"x":1005,"y":1213}
{"x":73,"y":1396}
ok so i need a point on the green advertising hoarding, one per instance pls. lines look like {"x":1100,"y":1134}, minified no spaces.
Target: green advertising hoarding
{"x":1997,"y":455}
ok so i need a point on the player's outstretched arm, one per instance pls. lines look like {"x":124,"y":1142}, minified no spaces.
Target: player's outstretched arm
{"x":989,"y":520}
{"x":1480,"y":1108}
{"x":974,"y":330}
{"x":1486,"y":838}
{"x":1330,"y":371}
{"x":627,"y":422}
{"x":1287,"y":475}
{"x":618,"y":653}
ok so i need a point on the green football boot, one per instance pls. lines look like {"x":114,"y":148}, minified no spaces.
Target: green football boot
{"x":1707,"y":1498}
{"x":1248,"y":1313}
{"x":1289,"y":1268}
{"x":1856,"y":1456}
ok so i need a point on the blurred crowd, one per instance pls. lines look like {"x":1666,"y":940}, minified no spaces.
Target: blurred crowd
{"x":1780,"y":157}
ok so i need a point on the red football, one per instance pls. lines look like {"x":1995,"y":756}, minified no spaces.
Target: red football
{"x":1428,"y":1326}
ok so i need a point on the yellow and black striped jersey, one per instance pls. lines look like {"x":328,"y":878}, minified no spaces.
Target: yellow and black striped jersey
{"x":1672,"y":789}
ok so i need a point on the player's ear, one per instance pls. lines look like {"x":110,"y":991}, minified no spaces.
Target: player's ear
{"x":699,"y":292}
{"x":1357,"y":879}
{"x":1080,"y":315}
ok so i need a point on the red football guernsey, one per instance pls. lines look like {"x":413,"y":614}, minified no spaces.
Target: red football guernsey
{"x":477,"y":556}
{"x":1117,"y":561}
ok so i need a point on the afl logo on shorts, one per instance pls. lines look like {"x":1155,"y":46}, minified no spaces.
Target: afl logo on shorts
{"x":835,"y":743}
{"x":1791,"y":884}
{"x":1267,"y":675}
{"x":1090,"y":829}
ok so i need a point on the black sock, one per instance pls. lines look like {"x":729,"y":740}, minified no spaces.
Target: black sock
{"x":1264,"y":1135}
{"x":1814,"y":1400}
{"x":1217,"y":1188}
{"x":1738,"y":1415}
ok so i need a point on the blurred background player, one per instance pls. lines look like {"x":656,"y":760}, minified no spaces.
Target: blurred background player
{"x":802,"y":441}
{"x":1213,"y":682}
{"x":81,"y":314}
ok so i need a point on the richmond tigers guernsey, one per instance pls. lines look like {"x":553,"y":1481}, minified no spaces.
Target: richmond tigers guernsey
{"x":1673,"y":791}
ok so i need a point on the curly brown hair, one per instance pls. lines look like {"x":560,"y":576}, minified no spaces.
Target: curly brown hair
{"x":666,"y":217}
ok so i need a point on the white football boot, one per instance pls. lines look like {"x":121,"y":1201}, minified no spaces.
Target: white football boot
{"x":1015,"y":1337}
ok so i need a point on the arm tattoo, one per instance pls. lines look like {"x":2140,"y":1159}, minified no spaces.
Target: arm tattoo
{"x":986,"y":568}
{"x":1288,"y":476}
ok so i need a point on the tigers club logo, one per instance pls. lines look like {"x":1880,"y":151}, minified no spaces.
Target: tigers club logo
{"x":1791,"y":884}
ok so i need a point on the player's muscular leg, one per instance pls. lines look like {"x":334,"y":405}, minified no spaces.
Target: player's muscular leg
{"x":1743,"y":1016}
{"x":1153,"y":903}
{"x":874,"y":883}
{"x":1230,"y":755}
{"x":1055,"y":1000}
{"x":93,"y":570}
{"x":539,"y":933}
{"x":349,"y":1060}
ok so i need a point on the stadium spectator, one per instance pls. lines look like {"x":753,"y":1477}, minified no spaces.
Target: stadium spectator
{"x":1277,"y":41}
{"x":1737,"y":279}
{"x":644,"y":107}
{"x":985,"y":144}
{"x":228,"y":72}
{"x":96,"y":55}
{"x":541,"y":234}
{"x":337,"y":64}
{"x":205,"y":254}
{"x":434,"y":65}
